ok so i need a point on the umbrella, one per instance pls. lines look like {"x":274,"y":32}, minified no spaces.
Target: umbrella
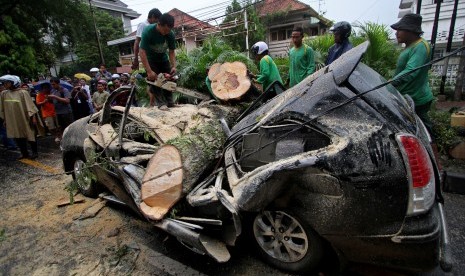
{"x":82,"y":76}
{"x":64,"y":84}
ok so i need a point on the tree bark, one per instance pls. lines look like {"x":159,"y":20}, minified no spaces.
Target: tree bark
{"x":230,"y":81}
{"x":178,"y":165}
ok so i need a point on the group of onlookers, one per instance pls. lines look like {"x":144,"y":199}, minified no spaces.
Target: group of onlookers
{"x":27,"y":111}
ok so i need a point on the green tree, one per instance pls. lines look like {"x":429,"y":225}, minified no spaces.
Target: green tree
{"x":31,"y":31}
{"x":34,"y":33}
{"x":86,"y":48}
{"x":236,"y":36}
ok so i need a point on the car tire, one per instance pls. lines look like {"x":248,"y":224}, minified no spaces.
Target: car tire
{"x":286,"y":241}
{"x":86,"y":185}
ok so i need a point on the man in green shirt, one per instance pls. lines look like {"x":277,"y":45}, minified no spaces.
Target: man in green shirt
{"x":268,"y":70}
{"x":301,"y":58}
{"x":416,"y":53}
{"x":156,"y":40}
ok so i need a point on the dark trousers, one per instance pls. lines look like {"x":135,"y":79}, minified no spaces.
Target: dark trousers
{"x":22,"y":144}
{"x":422,"y":112}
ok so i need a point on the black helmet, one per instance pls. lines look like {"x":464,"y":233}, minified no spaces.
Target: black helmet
{"x":343,"y":28}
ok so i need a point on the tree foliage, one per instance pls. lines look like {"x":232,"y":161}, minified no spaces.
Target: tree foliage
{"x":35,"y":33}
{"x":192,"y":66}
{"x":236,"y":36}
{"x":31,"y":32}
{"x":109,"y":28}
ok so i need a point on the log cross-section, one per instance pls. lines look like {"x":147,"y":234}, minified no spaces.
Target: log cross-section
{"x":229,"y":81}
{"x":162,"y":182}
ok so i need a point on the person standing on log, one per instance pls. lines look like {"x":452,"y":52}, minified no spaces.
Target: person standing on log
{"x":301,"y":58}
{"x":156,"y":40}
{"x":153,"y":16}
{"x":416,"y":53}
{"x":18,"y":112}
{"x":268,"y":70}
{"x":341,"y":31}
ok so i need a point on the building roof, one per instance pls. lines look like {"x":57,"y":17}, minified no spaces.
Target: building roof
{"x":267,"y":7}
{"x":116,"y":5}
{"x":183,"y":19}
{"x":180,"y":19}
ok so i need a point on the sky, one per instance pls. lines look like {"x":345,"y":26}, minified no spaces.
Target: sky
{"x":378,"y":11}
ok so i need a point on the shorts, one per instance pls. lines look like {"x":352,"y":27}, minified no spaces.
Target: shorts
{"x":51,"y":122}
{"x":162,"y":97}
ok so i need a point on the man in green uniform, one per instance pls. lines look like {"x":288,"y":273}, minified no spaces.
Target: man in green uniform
{"x":268,"y":70}
{"x":18,"y":112}
{"x":416,"y":53}
{"x":156,"y":40}
{"x":301,"y":59}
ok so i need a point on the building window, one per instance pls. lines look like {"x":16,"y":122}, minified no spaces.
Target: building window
{"x":281,"y":34}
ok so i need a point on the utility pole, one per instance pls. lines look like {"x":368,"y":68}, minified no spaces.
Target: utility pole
{"x":96,"y":33}
{"x":418,"y":6}
{"x":448,"y":47}
{"x":435,"y":25}
{"x":246,"y":25}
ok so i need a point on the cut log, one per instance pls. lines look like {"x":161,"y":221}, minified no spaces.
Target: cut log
{"x":136,"y":148}
{"x":162,"y":182}
{"x":176,"y":167}
{"x":110,"y":140}
{"x":231,"y":82}
{"x":214,"y":70}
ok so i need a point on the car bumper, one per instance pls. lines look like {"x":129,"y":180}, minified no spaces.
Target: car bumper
{"x":420,"y":245}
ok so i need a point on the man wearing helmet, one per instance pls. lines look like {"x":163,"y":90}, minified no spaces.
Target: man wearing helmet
{"x":268,"y":70}
{"x":341,"y":31}
{"x":18,"y":112}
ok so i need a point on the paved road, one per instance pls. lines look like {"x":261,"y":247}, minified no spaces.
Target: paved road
{"x":173,"y":259}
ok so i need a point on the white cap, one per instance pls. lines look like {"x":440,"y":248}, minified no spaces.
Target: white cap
{"x":94,"y":69}
{"x":259,"y":47}
{"x":115,"y":76}
{"x":14,"y":79}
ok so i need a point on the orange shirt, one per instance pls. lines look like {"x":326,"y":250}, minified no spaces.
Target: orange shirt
{"x":47,"y":109}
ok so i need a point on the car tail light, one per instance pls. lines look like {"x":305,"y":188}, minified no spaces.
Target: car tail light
{"x":419,"y":172}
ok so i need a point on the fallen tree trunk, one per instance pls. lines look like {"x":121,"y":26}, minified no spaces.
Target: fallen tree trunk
{"x":178,"y":165}
{"x":229,"y":81}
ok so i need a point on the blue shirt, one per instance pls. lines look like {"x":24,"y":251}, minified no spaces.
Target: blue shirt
{"x":337,"y":50}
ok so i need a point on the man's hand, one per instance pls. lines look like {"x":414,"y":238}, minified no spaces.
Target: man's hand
{"x":135,"y":64}
{"x":151,"y":76}
{"x":173,"y":70}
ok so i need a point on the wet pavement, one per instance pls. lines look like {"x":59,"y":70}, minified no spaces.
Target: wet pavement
{"x":244,"y":262}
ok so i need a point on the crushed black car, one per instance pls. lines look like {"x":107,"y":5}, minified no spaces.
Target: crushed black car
{"x":331,"y":161}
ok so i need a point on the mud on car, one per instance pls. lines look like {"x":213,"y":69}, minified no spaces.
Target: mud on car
{"x":339,"y":162}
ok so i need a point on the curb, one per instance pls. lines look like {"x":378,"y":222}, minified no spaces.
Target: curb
{"x":454,"y":183}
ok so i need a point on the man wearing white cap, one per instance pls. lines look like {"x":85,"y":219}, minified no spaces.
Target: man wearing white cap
{"x":18,"y":112}
{"x":268,"y":70}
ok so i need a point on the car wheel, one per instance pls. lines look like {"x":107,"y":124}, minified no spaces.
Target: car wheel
{"x":286,"y":242}
{"x":86,"y":185}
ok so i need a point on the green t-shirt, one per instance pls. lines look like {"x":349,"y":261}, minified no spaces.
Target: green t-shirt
{"x":302,"y":64}
{"x":208,"y":83}
{"x":156,"y":44}
{"x":415,"y":84}
{"x":268,"y":72}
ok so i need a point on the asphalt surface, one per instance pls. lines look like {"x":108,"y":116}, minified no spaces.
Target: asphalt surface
{"x":244,"y":262}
